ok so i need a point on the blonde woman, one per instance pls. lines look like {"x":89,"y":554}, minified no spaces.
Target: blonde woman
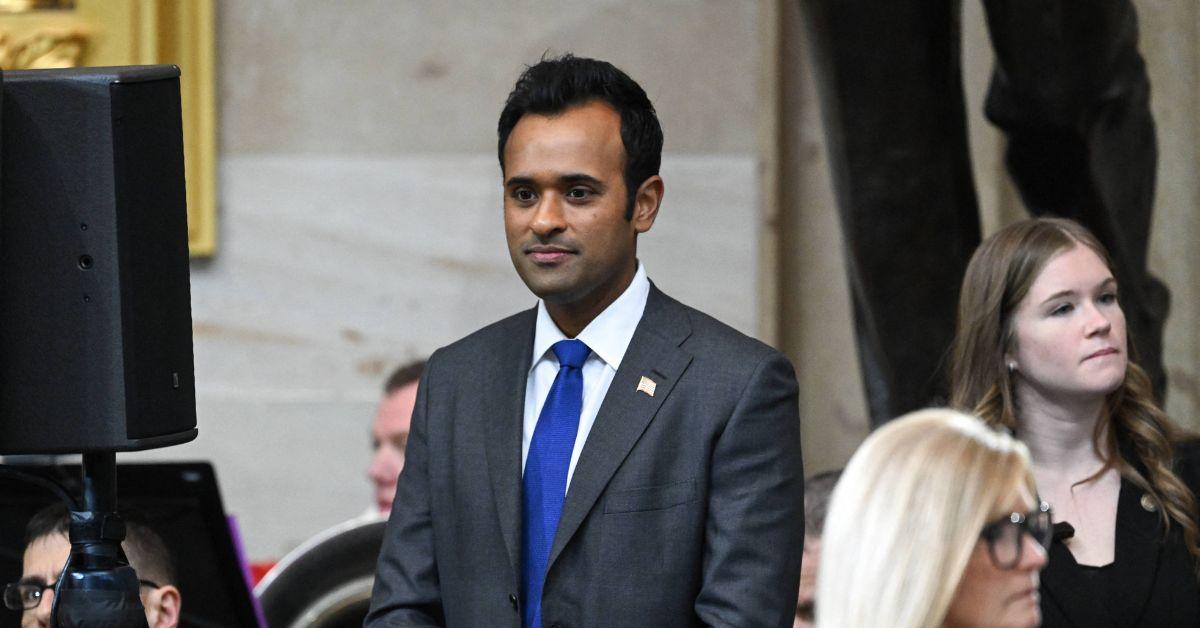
{"x":1041,"y":349}
{"x":935,"y":522}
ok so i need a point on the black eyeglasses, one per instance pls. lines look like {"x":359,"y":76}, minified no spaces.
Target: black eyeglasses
{"x":27,"y":594}
{"x":1005,"y":537}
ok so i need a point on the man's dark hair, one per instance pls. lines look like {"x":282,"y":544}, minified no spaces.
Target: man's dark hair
{"x":144,"y":548}
{"x":817,"y":491}
{"x":553,"y":85}
{"x":404,"y":375}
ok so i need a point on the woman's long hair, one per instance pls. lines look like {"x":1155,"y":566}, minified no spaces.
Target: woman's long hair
{"x":906,"y":515}
{"x":998,"y":278}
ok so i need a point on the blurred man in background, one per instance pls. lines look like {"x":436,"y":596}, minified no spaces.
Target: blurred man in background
{"x":390,"y":431}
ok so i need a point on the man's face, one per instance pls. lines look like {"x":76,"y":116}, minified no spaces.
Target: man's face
{"x":565,"y":203}
{"x":390,"y":434}
{"x":44,"y":560}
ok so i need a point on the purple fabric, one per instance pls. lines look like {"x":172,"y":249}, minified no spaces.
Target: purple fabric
{"x":236,"y":535}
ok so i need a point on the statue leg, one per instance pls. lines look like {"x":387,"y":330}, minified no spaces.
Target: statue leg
{"x":1070,"y":91}
{"x":890,"y":83}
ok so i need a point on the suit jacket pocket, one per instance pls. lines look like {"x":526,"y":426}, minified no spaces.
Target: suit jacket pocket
{"x":650,"y":497}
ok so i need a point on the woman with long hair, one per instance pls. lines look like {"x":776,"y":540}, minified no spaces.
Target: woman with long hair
{"x":934,"y":522}
{"x":1041,"y":349}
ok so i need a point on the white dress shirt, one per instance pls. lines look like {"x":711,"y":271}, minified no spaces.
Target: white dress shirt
{"x":608,"y":337}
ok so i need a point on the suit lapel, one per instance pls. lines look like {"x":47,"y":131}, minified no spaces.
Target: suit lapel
{"x":502,"y":403}
{"x":1138,"y":550}
{"x":653,"y":352}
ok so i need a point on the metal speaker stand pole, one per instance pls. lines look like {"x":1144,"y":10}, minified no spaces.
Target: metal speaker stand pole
{"x":97,"y":586}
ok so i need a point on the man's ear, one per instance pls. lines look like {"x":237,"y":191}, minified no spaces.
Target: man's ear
{"x":646,"y":203}
{"x":162,"y":607}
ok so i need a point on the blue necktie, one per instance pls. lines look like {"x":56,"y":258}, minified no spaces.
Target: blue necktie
{"x":545,"y":480}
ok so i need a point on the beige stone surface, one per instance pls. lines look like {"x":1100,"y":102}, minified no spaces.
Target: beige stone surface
{"x":816,"y":320}
{"x":360,"y":213}
{"x":378,"y":76}
{"x":333,"y":269}
{"x":1170,"y":41}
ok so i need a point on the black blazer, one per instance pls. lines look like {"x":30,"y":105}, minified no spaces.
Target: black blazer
{"x":1153,"y":582}
{"x":685,"y":508}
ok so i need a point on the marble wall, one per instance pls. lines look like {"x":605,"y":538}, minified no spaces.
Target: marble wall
{"x":360,"y":213}
{"x":360,"y":216}
{"x":1171,"y":44}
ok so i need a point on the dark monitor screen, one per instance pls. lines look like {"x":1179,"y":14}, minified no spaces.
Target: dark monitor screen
{"x":179,"y":501}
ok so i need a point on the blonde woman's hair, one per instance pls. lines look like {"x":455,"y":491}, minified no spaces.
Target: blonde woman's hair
{"x":1133,"y":436}
{"x":906,"y":515}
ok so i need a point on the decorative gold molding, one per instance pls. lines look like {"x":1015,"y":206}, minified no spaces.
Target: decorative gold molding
{"x":42,"y":49}
{"x":25,"y":6}
{"x":64,"y":33}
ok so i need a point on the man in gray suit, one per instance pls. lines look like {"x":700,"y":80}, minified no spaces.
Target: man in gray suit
{"x":610,"y":457}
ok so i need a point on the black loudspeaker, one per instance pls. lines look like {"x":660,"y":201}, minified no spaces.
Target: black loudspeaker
{"x":95,"y":311}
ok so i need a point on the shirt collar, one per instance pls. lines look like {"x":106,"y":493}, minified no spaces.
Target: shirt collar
{"x":608,"y":334}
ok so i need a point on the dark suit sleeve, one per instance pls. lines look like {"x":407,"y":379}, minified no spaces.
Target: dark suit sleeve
{"x":754,"y":532}
{"x":406,"y":591}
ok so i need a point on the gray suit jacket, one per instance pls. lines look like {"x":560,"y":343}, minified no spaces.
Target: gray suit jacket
{"x":685,"y":507}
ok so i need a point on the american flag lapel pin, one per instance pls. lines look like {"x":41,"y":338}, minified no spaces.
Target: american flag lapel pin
{"x":646,"y":385}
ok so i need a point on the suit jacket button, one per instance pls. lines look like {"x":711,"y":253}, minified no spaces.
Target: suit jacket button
{"x":512,"y":599}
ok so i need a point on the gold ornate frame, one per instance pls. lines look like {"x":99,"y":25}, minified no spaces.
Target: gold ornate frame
{"x":64,"y":33}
